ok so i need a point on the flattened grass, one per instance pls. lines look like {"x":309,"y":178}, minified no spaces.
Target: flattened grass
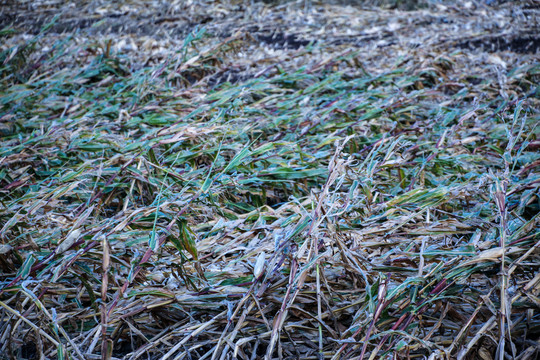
{"x":396,"y":211}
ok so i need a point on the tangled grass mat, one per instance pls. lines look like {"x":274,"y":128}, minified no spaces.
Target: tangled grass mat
{"x":285,"y":180}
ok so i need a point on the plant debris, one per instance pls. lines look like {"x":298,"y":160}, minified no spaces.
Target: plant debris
{"x":281,"y":180}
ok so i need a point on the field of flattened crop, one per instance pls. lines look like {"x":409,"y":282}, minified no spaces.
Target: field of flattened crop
{"x":239,"y":179}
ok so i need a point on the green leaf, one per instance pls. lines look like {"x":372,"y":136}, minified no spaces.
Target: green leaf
{"x":25,"y":269}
